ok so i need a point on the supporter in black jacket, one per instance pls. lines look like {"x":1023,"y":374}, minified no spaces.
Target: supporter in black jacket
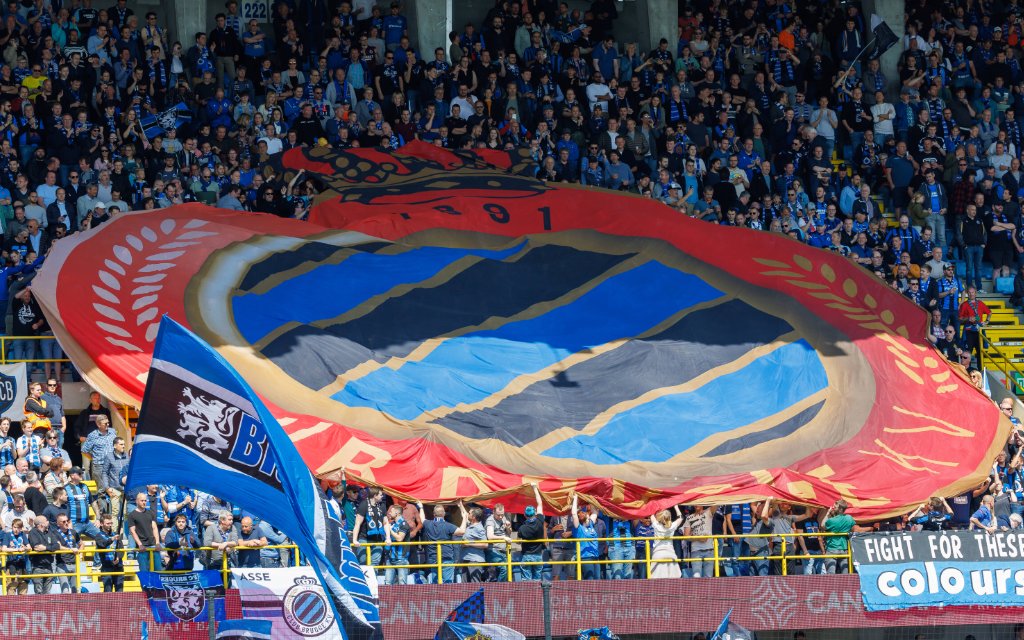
{"x":43,"y":537}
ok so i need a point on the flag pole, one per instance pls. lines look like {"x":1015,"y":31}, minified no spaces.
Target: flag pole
{"x":211,"y":618}
{"x":120,"y":526}
{"x":545,"y":589}
{"x":723,"y":626}
{"x":854,"y":61}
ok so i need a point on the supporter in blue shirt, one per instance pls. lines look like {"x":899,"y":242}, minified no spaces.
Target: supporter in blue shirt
{"x":250,"y":542}
{"x":584,"y":528}
{"x":984,"y":518}
{"x":395,"y":26}
{"x":80,"y":499}
{"x":219,"y":110}
{"x":396,"y":530}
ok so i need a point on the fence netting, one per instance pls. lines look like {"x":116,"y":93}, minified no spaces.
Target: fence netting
{"x":775,"y":607}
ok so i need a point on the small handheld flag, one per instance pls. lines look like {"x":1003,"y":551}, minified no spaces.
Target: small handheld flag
{"x":884,"y":38}
{"x":161,"y":123}
{"x":730,"y":630}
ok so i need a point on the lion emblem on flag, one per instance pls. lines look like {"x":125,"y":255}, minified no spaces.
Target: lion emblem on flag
{"x":209,"y":422}
{"x":186,"y":600}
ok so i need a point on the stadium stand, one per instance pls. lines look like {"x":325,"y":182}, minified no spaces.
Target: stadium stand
{"x":774,"y":116}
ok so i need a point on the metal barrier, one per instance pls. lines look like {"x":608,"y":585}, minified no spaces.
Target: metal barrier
{"x":648,"y":561}
{"x":7,"y":341}
{"x":84,"y":558}
{"x":989,"y":355}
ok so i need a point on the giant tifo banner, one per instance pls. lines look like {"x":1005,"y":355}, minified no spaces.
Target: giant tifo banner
{"x":450,"y":327}
{"x":773,"y":603}
{"x":935,"y":569}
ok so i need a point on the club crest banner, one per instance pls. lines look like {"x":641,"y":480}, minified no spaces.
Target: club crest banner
{"x":184,"y":597}
{"x":13,"y":391}
{"x":431,"y":330}
{"x":932,"y":569}
{"x":291,"y":598}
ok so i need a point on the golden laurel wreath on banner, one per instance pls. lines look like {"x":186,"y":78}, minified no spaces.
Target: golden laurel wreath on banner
{"x":919,"y":364}
{"x":863,"y":308}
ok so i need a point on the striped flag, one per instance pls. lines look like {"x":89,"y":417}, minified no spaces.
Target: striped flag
{"x":476,"y":630}
{"x":244,"y":630}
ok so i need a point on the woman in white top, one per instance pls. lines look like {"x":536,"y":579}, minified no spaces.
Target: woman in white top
{"x":698,"y":45}
{"x":662,"y":548}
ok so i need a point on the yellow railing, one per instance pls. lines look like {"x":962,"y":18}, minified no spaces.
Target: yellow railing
{"x":780,"y":547}
{"x":5,"y":349}
{"x":989,"y":355}
{"x":365,"y":551}
{"x":84,"y":559}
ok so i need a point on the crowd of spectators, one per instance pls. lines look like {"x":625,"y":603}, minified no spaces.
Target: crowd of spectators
{"x":46,"y":506}
{"x":753,"y":538}
{"x":774,"y":116}
{"x":735,"y":120}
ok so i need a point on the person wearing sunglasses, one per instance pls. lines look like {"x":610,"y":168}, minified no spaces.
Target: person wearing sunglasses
{"x":37,"y":412}
{"x":950,"y":345}
{"x":52,"y":450}
{"x":58,"y":420}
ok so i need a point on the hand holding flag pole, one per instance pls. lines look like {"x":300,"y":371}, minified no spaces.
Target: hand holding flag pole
{"x":883,"y":37}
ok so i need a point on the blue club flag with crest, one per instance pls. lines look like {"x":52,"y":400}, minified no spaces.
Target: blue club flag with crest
{"x":157,"y":124}
{"x":730,"y":630}
{"x":244,"y":630}
{"x":184,"y":597}
{"x":472,"y":610}
{"x":201,"y":423}
{"x":597,"y":633}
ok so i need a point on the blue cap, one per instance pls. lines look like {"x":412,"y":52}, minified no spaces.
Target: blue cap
{"x":530,"y":511}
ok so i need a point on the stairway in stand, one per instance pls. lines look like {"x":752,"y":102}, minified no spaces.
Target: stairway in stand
{"x":1004,"y":352}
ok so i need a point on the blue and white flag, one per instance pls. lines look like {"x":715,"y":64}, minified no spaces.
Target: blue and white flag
{"x":202,"y":424}
{"x":473,"y":609}
{"x":475,"y":630}
{"x":244,"y":630}
{"x":289,"y":598}
{"x":184,"y":597}
{"x":597,"y":633}
{"x":729,"y":630}
{"x":154,"y":125}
